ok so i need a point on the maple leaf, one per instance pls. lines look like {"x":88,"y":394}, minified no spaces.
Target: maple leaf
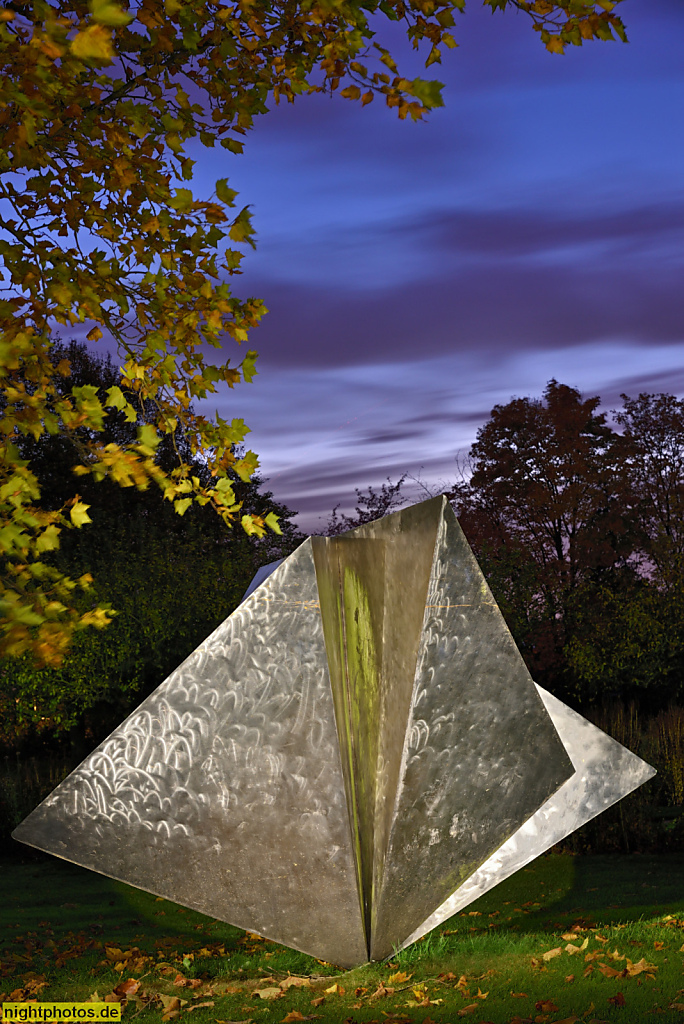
{"x":399,"y":978}
{"x":93,"y":43}
{"x":571,"y":948}
{"x":617,"y":1000}
{"x":609,"y":972}
{"x":268,"y":993}
{"x":294,"y":982}
{"x":127,"y":988}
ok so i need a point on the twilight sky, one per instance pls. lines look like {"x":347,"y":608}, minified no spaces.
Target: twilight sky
{"x":417,"y":274}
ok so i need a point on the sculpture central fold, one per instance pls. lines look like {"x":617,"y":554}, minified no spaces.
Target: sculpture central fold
{"x":354,"y":754}
{"x":416,"y":651}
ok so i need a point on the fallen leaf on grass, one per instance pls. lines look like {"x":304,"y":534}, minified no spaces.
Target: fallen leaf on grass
{"x":197,"y":1006}
{"x":569,"y":978}
{"x":519,"y":995}
{"x":399,"y":978}
{"x":639,"y":967}
{"x":467,"y":1009}
{"x":19,"y":996}
{"x":609,"y":972}
{"x":318,"y":1001}
{"x":172,"y":1007}
{"x":268,"y":993}
{"x":334,"y":989}
{"x":571,"y":948}
{"x":294,"y":982}
{"x":659,"y":945}
{"x":462,"y":986}
{"x":546,"y":1006}
{"x":381,"y":991}
{"x":181,"y":982}
{"x":295,"y":1015}
{"x":617,"y":1000}
{"x":127,"y":988}
{"x":551,"y":953}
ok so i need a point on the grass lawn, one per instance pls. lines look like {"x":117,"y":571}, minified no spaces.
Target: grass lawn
{"x":568,"y":939}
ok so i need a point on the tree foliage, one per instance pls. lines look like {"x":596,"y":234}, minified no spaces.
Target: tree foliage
{"x":171,"y":579}
{"x":579,"y":530}
{"x":96,"y":105}
{"x":370,"y":506}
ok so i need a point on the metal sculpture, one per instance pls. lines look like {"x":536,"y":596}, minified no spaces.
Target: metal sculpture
{"x":355,"y":754}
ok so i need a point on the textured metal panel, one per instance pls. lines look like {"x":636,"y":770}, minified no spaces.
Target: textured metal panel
{"x":605,"y":772}
{"x":481,"y":753}
{"x":372,"y":622}
{"x":350,"y":573}
{"x":339,"y":777}
{"x":223,"y":791}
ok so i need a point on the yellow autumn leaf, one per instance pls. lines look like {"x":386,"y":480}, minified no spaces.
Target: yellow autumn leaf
{"x":551,"y":953}
{"x":399,"y":977}
{"x":107,"y":13}
{"x":93,"y":43}
{"x":268,"y":993}
{"x":79,"y":514}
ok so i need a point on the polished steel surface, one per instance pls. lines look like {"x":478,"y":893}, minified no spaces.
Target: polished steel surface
{"x":480,"y":753}
{"x":372,"y":622}
{"x":354,"y":754}
{"x":605,"y":772}
{"x":223,"y":791}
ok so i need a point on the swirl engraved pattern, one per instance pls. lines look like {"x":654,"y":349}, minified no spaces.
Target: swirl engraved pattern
{"x":223,"y":790}
{"x":481,"y":753}
{"x":605,"y":772}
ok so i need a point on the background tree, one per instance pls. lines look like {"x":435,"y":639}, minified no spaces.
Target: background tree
{"x":579,"y":532}
{"x":171,"y":579}
{"x":370,"y":506}
{"x":96,"y":104}
{"x":653,"y":429}
{"x":629,"y":630}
